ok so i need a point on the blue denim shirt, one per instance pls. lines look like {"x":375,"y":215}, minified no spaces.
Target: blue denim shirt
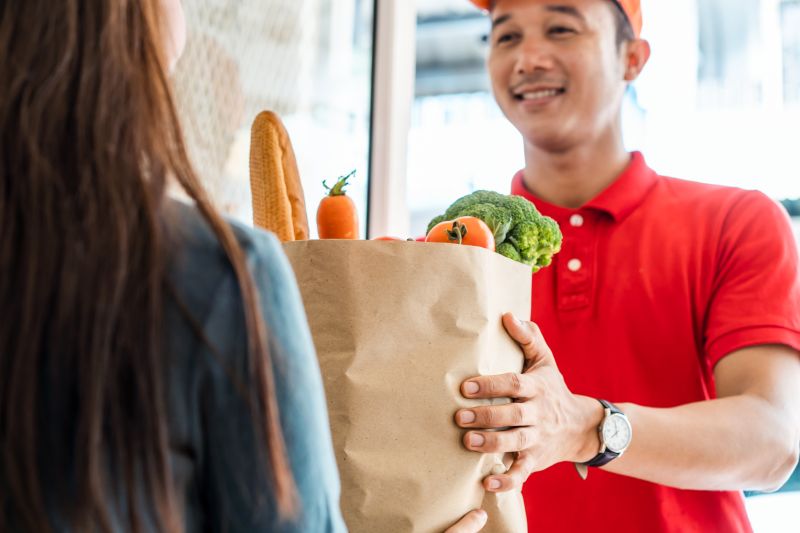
{"x":219,"y":478}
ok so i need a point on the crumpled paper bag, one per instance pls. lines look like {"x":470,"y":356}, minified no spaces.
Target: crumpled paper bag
{"x":397,"y":327}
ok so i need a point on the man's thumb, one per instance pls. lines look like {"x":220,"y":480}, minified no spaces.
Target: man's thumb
{"x":530,"y":339}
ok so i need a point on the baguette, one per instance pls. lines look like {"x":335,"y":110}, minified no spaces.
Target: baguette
{"x":277,"y":193}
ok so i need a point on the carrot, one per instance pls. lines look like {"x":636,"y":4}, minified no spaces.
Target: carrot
{"x":337,"y":217}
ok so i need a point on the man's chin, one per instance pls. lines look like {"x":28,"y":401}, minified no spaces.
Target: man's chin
{"x":548,"y":140}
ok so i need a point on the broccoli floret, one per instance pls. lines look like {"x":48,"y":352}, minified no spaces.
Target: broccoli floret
{"x":522,"y":209}
{"x":507,"y":249}
{"x":537,"y":241}
{"x":525,"y":238}
{"x":478,"y":197}
{"x":549,"y":240}
{"x":521,"y":232}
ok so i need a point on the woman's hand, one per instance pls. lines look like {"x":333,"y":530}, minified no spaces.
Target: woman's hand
{"x":472,"y":522}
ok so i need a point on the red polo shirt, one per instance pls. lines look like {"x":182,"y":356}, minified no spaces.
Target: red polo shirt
{"x":657,"y":280}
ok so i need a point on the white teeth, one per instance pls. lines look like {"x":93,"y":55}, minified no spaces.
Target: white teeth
{"x":539,"y":94}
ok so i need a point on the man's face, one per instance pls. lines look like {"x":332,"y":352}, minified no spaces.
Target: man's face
{"x":556,"y":70}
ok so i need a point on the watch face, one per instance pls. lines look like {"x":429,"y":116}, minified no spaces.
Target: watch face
{"x":616,"y":433}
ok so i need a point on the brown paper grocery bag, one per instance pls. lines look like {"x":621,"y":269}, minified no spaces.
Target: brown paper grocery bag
{"x":398,"y":326}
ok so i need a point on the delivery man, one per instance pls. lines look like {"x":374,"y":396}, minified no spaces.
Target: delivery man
{"x":662,"y":356}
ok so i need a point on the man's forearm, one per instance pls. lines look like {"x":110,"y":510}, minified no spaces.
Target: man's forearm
{"x":746,"y":439}
{"x":733,"y":443}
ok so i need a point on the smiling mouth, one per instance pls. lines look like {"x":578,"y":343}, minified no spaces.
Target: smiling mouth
{"x":538,"y":94}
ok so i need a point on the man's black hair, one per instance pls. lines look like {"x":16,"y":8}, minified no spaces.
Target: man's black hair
{"x":623,"y":25}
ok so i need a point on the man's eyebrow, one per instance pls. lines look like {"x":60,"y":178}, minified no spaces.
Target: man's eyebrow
{"x":554,"y":8}
{"x":499,"y":20}
{"x":567,"y":10}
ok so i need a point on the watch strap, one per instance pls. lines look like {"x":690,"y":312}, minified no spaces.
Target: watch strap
{"x":607,"y":455}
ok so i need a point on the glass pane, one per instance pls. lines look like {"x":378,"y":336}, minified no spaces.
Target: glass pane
{"x":790,"y":22}
{"x":729,"y":38}
{"x":309,"y":61}
{"x":455,"y":123}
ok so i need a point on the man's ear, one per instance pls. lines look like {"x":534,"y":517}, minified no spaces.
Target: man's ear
{"x":637,"y":52}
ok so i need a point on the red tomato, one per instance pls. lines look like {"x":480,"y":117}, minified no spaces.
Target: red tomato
{"x":386,"y":238}
{"x":463,"y":230}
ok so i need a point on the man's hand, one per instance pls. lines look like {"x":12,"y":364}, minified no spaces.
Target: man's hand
{"x":546,"y":423}
{"x":472,"y":522}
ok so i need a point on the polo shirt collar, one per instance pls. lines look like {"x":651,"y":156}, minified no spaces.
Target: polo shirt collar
{"x":618,"y":200}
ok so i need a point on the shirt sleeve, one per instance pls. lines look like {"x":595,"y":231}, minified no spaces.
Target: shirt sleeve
{"x":235,"y":496}
{"x":756,"y":292}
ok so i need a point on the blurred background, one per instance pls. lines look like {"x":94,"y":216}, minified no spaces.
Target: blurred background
{"x":310,"y":61}
{"x":397,"y":90}
{"x":718,"y":102}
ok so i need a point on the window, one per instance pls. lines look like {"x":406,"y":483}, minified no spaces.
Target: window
{"x":310,"y":61}
{"x":790,"y":22}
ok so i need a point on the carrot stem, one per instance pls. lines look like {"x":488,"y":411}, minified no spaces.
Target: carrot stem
{"x":338,"y":187}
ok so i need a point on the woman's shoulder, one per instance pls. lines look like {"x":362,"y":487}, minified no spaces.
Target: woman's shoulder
{"x":204,"y":305}
{"x":195,"y":251}
{"x":202,"y":273}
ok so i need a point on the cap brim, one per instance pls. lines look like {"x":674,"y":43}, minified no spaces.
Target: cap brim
{"x":481,"y":4}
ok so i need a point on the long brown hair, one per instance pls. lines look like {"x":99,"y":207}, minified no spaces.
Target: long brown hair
{"x":89,"y":138}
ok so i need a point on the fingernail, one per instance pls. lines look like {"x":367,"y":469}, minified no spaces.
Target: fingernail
{"x":466,"y":417}
{"x":470,"y":387}
{"x":494,"y":484}
{"x":476,"y":440}
{"x":483,"y":517}
{"x":517,"y":320}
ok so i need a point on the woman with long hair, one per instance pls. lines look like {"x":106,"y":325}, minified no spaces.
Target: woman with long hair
{"x":156,"y":369}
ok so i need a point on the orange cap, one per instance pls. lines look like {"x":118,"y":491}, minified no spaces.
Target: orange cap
{"x":633,"y":8}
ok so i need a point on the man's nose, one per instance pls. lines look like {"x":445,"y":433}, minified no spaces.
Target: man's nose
{"x":533,"y":55}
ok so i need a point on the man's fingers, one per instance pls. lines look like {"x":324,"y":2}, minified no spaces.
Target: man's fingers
{"x":530,"y":339}
{"x":501,"y":386}
{"x":519,"y":330}
{"x":511,"y":440}
{"x":518,"y":474}
{"x":497,"y":416}
{"x":472,"y":522}
{"x":518,"y":386}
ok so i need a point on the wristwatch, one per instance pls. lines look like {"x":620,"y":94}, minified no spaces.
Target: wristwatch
{"x":615,"y":436}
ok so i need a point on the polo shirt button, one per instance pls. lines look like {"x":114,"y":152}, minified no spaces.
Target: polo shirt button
{"x":574,"y":265}
{"x":576,"y":220}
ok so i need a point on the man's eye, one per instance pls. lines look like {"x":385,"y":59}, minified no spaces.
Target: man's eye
{"x":506,"y":38}
{"x":560,"y":30}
